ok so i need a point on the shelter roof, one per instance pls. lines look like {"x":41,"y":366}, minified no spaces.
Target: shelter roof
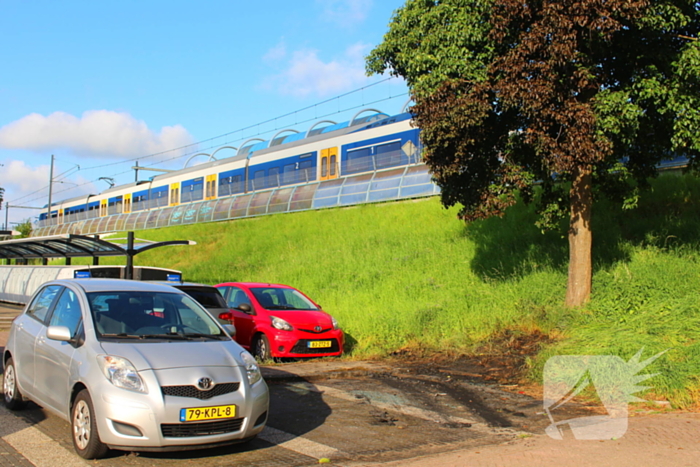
{"x":75,"y":246}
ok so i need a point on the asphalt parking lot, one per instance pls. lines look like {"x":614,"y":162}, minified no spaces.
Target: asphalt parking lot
{"x":356,"y":412}
{"x":324,"y":409}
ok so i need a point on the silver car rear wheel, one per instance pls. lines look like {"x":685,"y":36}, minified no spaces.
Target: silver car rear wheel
{"x":86,"y":439}
{"x":13,"y":398}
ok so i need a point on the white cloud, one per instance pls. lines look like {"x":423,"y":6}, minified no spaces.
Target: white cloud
{"x":346,"y":13}
{"x":18,"y":177}
{"x":307,"y":75}
{"x":276,"y":53}
{"x":97,"y":133}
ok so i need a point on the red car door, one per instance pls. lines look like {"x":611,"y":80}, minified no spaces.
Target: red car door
{"x":244,"y":322}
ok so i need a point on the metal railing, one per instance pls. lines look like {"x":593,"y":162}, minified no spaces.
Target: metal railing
{"x":411,"y":181}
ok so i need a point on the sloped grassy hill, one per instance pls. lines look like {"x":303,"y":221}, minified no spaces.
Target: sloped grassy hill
{"x":411,"y":275}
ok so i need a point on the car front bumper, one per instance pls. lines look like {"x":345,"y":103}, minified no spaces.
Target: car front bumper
{"x":151,"y":422}
{"x":293,"y":345}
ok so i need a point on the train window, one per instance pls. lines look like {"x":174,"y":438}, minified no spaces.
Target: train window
{"x":360,"y":160}
{"x":197,"y":190}
{"x":288,"y":173}
{"x":259,"y":180}
{"x":333,"y":164}
{"x":185,"y":195}
{"x":388,"y":155}
{"x":324,"y":166}
{"x":236,"y":184}
{"x":224,"y":186}
{"x":274,"y":178}
{"x":307,"y":171}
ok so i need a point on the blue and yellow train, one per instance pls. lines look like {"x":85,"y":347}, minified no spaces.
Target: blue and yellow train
{"x":364,"y":144}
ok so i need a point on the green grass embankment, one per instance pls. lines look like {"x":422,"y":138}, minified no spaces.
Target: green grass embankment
{"x":411,"y":275}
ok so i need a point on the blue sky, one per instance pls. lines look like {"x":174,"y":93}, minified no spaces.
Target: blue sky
{"x":100,"y":84}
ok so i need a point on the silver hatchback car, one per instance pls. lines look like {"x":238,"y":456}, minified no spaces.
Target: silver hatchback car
{"x":132,"y":366}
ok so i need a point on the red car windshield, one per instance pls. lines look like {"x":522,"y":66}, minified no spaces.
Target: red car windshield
{"x":274,"y":298}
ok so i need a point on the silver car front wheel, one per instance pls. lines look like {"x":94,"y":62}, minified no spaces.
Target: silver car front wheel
{"x":86,"y":439}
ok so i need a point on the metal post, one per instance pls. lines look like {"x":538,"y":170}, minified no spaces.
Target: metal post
{"x":7,"y":211}
{"x":48,"y":218}
{"x":136,"y":177}
{"x":129,"y":273}
{"x":96,"y":259}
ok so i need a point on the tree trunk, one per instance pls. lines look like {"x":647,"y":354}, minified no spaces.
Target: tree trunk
{"x":578,"y":289}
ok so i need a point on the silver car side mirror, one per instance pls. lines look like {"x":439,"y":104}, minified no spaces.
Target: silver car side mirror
{"x":59,"y":333}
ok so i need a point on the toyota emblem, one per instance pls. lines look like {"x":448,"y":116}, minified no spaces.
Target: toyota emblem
{"x":205,"y":384}
{"x":317,"y":329}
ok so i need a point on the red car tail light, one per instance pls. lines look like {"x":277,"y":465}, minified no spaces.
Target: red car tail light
{"x":228,"y":316}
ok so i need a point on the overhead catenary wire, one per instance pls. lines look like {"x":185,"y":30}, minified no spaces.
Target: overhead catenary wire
{"x":197,"y":146}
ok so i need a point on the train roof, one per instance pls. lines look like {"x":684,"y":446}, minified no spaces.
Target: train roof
{"x":265,"y":147}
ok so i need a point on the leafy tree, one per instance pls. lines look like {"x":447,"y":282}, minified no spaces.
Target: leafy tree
{"x":581,"y":97}
{"x":25,"y":229}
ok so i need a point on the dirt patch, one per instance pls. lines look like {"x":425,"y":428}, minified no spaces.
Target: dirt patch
{"x":502,"y":360}
{"x":492,"y":387}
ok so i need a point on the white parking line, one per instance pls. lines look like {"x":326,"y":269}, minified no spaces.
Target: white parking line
{"x":297,"y":444}
{"x":35,"y":446}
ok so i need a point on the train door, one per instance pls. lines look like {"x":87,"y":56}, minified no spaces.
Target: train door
{"x":329,"y":163}
{"x":127,"y":203}
{"x":174,"y":194}
{"x":211,"y":187}
{"x":103,"y":207}
{"x":60,"y":216}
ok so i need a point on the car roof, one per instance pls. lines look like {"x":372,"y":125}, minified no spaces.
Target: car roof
{"x":178,"y":285}
{"x":115,"y":285}
{"x":256,"y":284}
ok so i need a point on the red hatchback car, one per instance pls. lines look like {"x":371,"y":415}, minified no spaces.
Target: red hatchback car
{"x":278,"y":321}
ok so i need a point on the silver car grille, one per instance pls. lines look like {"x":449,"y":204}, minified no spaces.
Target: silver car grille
{"x":195,"y":392}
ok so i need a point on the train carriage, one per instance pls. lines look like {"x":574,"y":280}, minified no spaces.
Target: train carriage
{"x":363,"y":144}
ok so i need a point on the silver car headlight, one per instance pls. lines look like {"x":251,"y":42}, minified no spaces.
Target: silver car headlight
{"x":335,"y":324}
{"x":251,"y":368}
{"x":279,"y":323}
{"x":121,"y":373}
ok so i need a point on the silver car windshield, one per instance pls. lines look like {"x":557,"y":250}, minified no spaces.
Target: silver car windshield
{"x":151,"y":315}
